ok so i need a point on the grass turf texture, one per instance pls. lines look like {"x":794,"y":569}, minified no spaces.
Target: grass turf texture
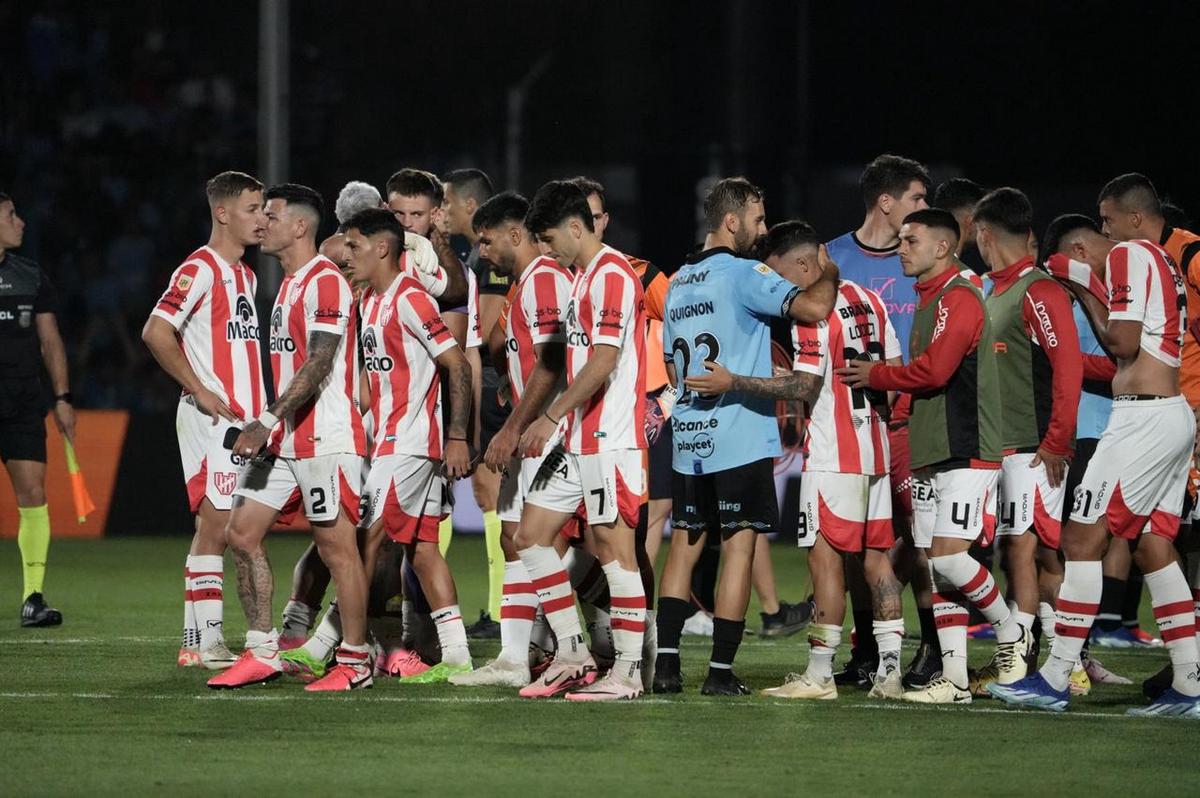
{"x":98,"y":706}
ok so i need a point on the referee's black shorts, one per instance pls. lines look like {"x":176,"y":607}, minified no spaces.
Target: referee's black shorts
{"x":22,"y":421}
{"x":492,"y":414}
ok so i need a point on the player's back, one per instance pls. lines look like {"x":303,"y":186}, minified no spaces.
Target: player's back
{"x":879,"y":270}
{"x":718,"y":308}
{"x":317,"y":298}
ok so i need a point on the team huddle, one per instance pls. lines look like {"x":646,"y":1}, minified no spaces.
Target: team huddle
{"x":940,"y":413}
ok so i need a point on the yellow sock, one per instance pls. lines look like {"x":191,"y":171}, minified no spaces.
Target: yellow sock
{"x":445,"y":532}
{"x":495,"y":555}
{"x":33,"y":538}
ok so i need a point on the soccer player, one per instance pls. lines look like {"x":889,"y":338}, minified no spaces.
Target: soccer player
{"x":29,"y":331}
{"x":466,"y":190}
{"x":955,"y":439}
{"x":204,"y":332}
{"x":404,"y":342}
{"x":315,"y":443}
{"x":1041,"y":371}
{"x":845,"y":494}
{"x":599,"y":462}
{"x":1135,"y":483}
{"x":891,"y":187}
{"x":960,"y":196}
{"x":717,"y":311}
{"x":535,"y":340}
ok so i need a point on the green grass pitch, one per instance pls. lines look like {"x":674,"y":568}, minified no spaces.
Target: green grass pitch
{"x":98,"y":707}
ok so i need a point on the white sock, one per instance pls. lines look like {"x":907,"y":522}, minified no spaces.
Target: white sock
{"x":452,"y":635}
{"x":628,"y":616}
{"x":1046,"y":615}
{"x":191,"y":633}
{"x":823,"y":642}
{"x":1176,"y":617}
{"x":553,"y":588}
{"x":599,"y":630}
{"x":1077,"y":605}
{"x":888,"y":635}
{"x":977,"y":585}
{"x":207,"y":584}
{"x":327,"y":635}
{"x":354,"y":656}
{"x":298,"y":618}
{"x":541,"y":635}
{"x":1026,"y":619}
{"x":264,"y":645}
{"x":518,"y":607}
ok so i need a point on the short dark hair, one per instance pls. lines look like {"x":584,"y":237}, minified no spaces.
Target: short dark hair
{"x":1132,"y":189}
{"x":1174,"y":215}
{"x":472,"y":183}
{"x":591,"y":187}
{"x":508,"y":206}
{"x":728,"y":195}
{"x":891,"y":175}
{"x":1060,"y":228}
{"x":296,"y":194}
{"x":371,"y":221}
{"x":1007,"y":208}
{"x":230,"y":185}
{"x":786,"y":236}
{"x":410,"y":182}
{"x":957,"y":193}
{"x":554,"y":203}
{"x":938,"y":218}
{"x":4,"y":197}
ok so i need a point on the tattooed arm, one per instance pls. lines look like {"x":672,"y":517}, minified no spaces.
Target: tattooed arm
{"x":798,"y":386}
{"x":322,"y":346}
{"x":462,"y":399}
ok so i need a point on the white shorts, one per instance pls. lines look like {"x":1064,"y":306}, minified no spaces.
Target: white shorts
{"x":210,"y":471}
{"x":1026,"y":501}
{"x":1140,"y":469}
{"x":959,"y":503}
{"x":324,"y":485}
{"x":514,"y":487}
{"x":851,"y":511}
{"x":405,"y":492}
{"x":597,"y":487}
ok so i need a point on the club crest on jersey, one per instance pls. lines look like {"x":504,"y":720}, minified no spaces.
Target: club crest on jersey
{"x":183,"y":282}
{"x":294,"y":293}
{"x":224,"y":482}
{"x":370,"y":345}
{"x":385,"y":314}
{"x":241,"y":326}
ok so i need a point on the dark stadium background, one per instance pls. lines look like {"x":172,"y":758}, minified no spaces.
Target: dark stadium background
{"x":112,"y":116}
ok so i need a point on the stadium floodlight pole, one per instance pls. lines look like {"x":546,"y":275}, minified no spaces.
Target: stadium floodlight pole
{"x":515,"y":126}
{"x":273,"y":101}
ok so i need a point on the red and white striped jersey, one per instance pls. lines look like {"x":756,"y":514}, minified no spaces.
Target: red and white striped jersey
{"x":536,"y":317}
{"x":317,"y":298}
{"x":607,"y":307}
{"x":402,"y":334}
{"x":474,"y":338}
{"x":210,"y":303}
{"x":844,"y":433}
{"x":1145,"y":285}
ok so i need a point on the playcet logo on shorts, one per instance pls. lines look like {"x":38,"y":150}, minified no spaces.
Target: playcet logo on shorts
{"x":700,"y":445}
{"x":224,"y":482}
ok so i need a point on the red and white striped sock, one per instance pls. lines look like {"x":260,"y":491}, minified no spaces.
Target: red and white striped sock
{"x":207,"y":581}
{"x":1176,"y":617}
{"x":978,"y":587}
{"x":950,"y":616}
{"x":628,"y":616}
{"x":191,"y":632}
{"x":452,"y":635}
{"x":553,"y":588}
{"x":357,"y":657}
{"x":518,"y":607}
{"x":1191,"y":562}
{"x":1075,"y":611}
{"x":823,"y":642}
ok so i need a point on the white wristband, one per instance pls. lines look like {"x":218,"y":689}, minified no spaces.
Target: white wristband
{"x":267,"y":420}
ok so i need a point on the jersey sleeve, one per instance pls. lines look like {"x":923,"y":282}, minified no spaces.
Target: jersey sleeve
{"x":1048,"y":317}
{"x":1128,"y":282}
{"x":543,"y":299}
{"x":953,"y":341}
{"x":417,"y":312}
{"x":613,"y":294}
{"x":327,"y":299}
{"x":811,"y":344}
{"x":46,"y":300}
{"x":763,"y":292}
{"x":190,"y":284}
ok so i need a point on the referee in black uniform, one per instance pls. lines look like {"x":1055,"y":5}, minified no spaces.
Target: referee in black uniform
{"x":29,"y":338}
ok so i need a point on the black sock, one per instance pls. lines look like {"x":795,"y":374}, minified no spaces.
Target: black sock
{"x":672,"y":612}
{"x":865,"y":647}
{"x":704,"y":578}
{"x":1132,"y":600}
{"x":727,"y":636}
{"x":929,"y":629}
{"x":1112,"y":595}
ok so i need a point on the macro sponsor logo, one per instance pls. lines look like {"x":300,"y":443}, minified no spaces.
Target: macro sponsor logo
{"x":691,"y":311}
{"x":373,"y":361}
{"x":279,"y":341}
{"x":241,"y":326}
